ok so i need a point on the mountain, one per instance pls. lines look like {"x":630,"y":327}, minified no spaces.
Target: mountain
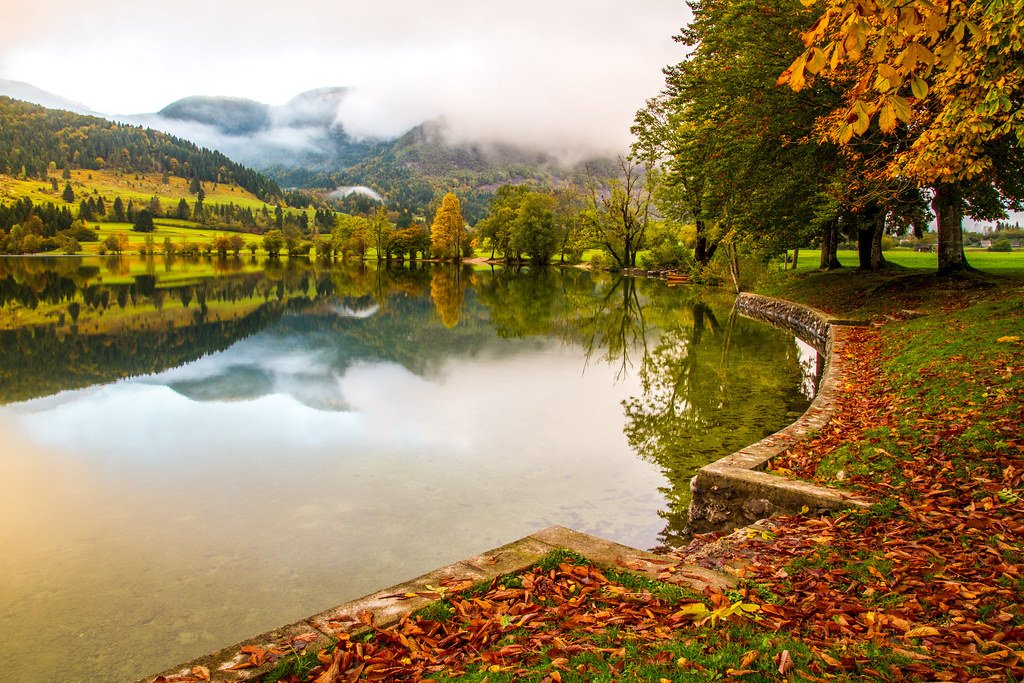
{"x":297,"y":143}
{"x":27,"y":92}
{"x":302,"y":144}
{"x":33,"y":139}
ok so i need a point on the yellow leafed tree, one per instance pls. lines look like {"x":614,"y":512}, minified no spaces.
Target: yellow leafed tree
{"x":448,"y":229}
{"x":946,"y":76}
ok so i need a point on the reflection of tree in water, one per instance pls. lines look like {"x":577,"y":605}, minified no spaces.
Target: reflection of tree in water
{"x":613,"y":323}
{"x":524,"y":302}
{"x":709,"y":388}
{"x":709,"y":384}
{"x":448,"y":292}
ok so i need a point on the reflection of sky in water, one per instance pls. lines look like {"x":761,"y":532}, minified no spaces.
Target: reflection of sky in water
{"x":809,"y":367}
{"x":205,"y":521}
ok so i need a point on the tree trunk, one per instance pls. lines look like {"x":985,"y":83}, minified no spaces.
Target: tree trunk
{"x":864,"y":234}
{"x":870,"y":228}
{"x":734,"y":267}
{"x":703,"y":250}
{"x":949,"y":214}
{"x":796,"y":255}
{"x":877,"y":258}
{"x":830,"y":245}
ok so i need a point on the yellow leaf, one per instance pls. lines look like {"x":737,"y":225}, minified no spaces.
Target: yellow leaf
{"x":919,"y":87}
{"x":1008,"y":340}
{"x":887,"y":118}
{"x":816,"y":61}
{"x":797,"y":80}
{"x":837,"y":54}
{"x":902,"y":108}
{"x":887,"y":72}
{"x":696,"y":609}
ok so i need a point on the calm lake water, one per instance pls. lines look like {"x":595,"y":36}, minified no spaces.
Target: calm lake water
{"x":193,"y":452}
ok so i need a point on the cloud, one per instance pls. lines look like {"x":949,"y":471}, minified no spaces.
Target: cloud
{"x":552,"y":75}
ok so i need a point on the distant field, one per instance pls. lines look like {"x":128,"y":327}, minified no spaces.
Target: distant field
{"x":109,"y":185}
{"x":999,"y":263}
{"x":179,"y":231}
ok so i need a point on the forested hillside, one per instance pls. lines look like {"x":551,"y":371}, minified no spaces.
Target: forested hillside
{"x":35,"y":140}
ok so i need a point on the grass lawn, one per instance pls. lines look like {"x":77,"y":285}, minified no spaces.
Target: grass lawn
{"x":1000,"y":263}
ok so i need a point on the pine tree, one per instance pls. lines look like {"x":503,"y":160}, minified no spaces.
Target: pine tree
{"x":69,"y":194}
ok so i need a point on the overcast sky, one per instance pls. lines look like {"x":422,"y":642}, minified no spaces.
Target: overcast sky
{"x":571,"y":72}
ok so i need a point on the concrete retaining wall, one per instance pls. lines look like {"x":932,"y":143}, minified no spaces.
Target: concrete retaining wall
{"x":735,"y":491}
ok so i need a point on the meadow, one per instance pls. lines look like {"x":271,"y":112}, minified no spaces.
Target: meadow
{"x":139,"y":188}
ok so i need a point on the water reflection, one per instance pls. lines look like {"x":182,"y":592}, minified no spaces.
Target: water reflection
{"x":297,"y":434}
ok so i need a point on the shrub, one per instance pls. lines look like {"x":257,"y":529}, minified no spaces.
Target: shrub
{"x":668,"y":255}
{"x":1001,"y":244}
{"x":599,"y":261}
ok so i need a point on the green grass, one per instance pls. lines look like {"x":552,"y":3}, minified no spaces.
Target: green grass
{"x":998,"y":263}
{"x":179,"y":231}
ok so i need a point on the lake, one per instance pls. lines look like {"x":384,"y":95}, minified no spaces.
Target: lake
{"x":193,"y":452}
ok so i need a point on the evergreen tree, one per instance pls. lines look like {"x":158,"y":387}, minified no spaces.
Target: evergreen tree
{"x":183,"y":211}
{"x":69,"y":194}
{"x":144,"y":221}
{"x":119,"y":211}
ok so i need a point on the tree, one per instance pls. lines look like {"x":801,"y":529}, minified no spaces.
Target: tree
{"x":448,"y":229}
{"x":143,"y":221}
{"x":497,"y":227}
{"x":534,"y":232}
{"x":381,"y":230}
{"x":119,"y":211}
{"x":734,"y":154}
{"x":945,"y":77}
{"x":273,"y":242}
{"x":620,"y":215}
{"x":236,"y":243}
{"x":222,"y":244}
{"x":69,"y":194}
{"x":183,"y":211}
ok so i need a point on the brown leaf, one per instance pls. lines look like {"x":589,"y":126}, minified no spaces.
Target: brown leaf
{"x":330,"y":675}
{"x":785,"y":662}
{"x":921,"y":632}
{"x":202,"y":672}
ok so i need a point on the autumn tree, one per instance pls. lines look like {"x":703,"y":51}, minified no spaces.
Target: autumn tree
{"x":734,"y":154}
{"x":447,"y":232}
{"x":944,"y":76}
